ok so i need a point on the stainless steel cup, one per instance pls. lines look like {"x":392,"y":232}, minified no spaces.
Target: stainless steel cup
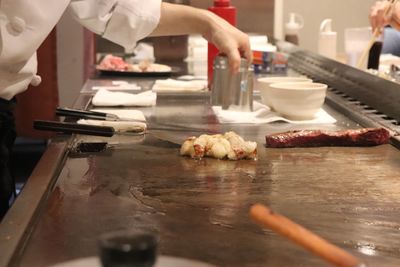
{"x":232,"y":91}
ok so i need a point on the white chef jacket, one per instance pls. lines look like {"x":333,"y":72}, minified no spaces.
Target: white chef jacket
{"x":24,"y":24}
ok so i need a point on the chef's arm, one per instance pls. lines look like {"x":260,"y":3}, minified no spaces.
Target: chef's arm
{"x":181,"y":19}
{"x":379,"y":18}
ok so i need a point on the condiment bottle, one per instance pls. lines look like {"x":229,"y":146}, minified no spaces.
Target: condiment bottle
{"x":232,"y":91}
{"x":327,"y":39}
{"x":225,"y":10}
{"x":293,"y":27}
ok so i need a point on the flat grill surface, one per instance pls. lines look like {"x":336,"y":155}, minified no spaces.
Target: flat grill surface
{"x":350,"y":196}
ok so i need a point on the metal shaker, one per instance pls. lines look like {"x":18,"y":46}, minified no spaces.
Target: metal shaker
{"x":232,"y":91}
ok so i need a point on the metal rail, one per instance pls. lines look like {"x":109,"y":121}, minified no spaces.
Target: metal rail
{"x":19,"y":221}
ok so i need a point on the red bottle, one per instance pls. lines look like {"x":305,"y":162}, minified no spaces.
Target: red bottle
{"x":223,"y":9}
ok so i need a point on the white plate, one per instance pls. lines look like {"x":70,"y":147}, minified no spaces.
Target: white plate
{"x":162,"y":261}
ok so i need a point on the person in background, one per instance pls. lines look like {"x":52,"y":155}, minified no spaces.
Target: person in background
{"x":390,"y":24}
{"x":25,"y":24}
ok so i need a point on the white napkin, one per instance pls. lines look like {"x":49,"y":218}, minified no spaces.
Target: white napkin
{"x":263,"y":114}
{"x":107,"y":98}
{"x":171,"y":85}
{"x":143,"y":51}
{"x":118,"y":85}
{"x":120,"y":126}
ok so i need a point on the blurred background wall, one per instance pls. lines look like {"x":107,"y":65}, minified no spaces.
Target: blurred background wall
{"x":253,"y":15}
{"x":344,"y":13}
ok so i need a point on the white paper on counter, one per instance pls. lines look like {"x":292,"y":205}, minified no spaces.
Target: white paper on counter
{"x":172,"y":85}
{"x":108,"y":99}
{"x":263,"y":114}
{"x":118,"y":86}
{"x":120,"y":126}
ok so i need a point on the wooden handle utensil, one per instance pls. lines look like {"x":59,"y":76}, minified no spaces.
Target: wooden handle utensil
{"x":265,"y":217}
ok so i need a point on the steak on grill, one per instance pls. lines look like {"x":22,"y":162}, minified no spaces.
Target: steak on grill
{"x":315,"y":138}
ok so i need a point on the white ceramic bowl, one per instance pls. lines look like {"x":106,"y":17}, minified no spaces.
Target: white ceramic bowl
{"x":264,"y":86}
{"x":297,"y":101}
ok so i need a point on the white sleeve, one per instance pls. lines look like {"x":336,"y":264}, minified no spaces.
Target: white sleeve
{"x":123,"y":22}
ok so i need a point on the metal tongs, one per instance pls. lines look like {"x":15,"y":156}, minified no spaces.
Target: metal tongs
{"x":95,"y":115}
{"x":72,"y":127}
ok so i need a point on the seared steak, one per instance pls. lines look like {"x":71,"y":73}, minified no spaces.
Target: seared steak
{"x":315,"y":138}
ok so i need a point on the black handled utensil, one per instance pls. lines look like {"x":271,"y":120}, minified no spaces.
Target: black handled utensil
{"x":85,"y":114}
{"x":67,"y":127}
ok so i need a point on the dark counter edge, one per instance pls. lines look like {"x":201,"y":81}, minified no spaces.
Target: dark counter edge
{"x":17,"y":225}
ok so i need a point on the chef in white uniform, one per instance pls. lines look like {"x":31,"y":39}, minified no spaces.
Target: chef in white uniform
{"x":24,"y":24}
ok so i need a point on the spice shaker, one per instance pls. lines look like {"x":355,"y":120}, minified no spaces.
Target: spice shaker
{"x":225,"y":10}
{"x":232,"y":91}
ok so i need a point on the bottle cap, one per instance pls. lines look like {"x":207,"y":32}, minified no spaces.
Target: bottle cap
{"x":295,"y":23}
{"x":222,"y":3}
{"x":326,"y":27}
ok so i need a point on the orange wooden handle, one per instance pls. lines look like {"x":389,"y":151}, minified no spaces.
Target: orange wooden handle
{"x":310,"y":241}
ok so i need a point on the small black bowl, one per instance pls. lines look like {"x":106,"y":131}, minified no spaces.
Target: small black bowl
{"x":128,"y":249}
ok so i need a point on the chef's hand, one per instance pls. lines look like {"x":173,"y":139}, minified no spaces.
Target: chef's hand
{"x":379,"y":18}
{"x":181,"y":19}
{"x":229,"y":41}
